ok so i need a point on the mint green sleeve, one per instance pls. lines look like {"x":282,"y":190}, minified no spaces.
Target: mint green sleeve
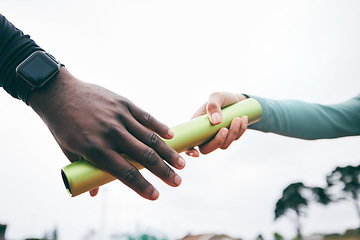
{"x":310,"y":121}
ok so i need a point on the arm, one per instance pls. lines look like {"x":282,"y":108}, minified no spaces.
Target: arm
{"x":290,"y":118}
{"x":308,"y":120}
{"x":91,"y":122}
{"x":15,"y":47}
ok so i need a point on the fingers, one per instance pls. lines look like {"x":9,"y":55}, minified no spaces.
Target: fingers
{"x":217,"y":101}
{"x":138,"y":141}
{"x":213,"y":107}
{"x":214,"y":143}
{"x":135,"y":135}
{"x":237,"y":129}
{"x":151,"y":139}
{"x":151,"y":152}
{"x":232,"y":133}
{"x":243,"y":126}
{"x":200,"y":111}
{"x":121,"y":169}
{"x":150,"y":159}
{"x":150,"y":122}
{"x":225,"y":137}
{"x":213,"y":110}
{"x":94,"y":192}
{"x":192,"y":153}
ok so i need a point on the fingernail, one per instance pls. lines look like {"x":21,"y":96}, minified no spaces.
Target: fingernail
{"x":238,"y":122}
{"x":246,"y":119}
{"x":170,"y":133}
{"x":216,"y":118}
{"x":155,"y":195}
{"x":181,"y":161}
{"x":177,"y":180}
{"x":191,"y":154}
{"x":224,"y":132}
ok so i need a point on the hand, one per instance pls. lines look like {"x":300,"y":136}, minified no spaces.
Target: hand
{"x":225,"y":136}
{"x":93,"y":123}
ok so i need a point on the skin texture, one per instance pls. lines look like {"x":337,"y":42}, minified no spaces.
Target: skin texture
{"x":225,"y":136}
{"x":91,"y":122}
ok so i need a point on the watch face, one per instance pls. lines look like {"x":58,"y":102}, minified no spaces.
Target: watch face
{"x":37,"y":69}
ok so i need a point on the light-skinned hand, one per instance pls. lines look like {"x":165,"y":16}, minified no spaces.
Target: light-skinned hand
{"x":224,"y":137}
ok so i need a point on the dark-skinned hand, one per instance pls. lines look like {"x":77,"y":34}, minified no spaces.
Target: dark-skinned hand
{"x":91,"y":122}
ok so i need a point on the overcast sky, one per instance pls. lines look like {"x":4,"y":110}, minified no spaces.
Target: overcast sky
{"x":167,"y":57}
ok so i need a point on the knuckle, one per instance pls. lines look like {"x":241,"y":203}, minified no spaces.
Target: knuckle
{"x":89,"y":145}
{"x":218,"y":141}
{"x":171,"y":154}
{"x":111,"y":130}
{"x":224,"y":147}
{"x":149,"y":157}
{"x":130,"y":176}
{"x":153,"y":140}
{"x":147,"y":117}
{"x":215,"y":95}
{"x":211,"y":106}
{"x":169,"y":172}
{"x":205,"y":151}
{"x":122,"y":116}
{"x":122,"y":101}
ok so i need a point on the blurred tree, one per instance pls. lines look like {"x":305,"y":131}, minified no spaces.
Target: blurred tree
{"x":55,"y":234}
{"x":347,"y":179}
{"x":259,"y":237}
{"x":278,"y":236}
{"x":294,"y":201}
{"x":147,"y":237}
{"x":2,"y":231}
{"x":320,"y":195}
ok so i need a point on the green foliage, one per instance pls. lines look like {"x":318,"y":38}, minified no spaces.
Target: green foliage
{"x":2,"y":231}
{"x":348,"y":178}
{"x":348,"y":234}
{"x":147,"y":237}
{"x":320,"y":195}
{"x":278,"y":236}
{"x":259,"y":237}
{"x":295,"y":198}
{"x":292,"y":199}
{"x":352,"y":232}
{"x":36,"y":239}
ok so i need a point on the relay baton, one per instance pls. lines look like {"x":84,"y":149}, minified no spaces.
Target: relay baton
{"x":83,"y":176}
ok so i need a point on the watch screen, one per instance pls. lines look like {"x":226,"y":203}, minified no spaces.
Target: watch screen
{"x":37,"y":69}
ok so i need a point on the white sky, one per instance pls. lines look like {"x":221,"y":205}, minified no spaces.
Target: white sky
{"x":167,"y":57}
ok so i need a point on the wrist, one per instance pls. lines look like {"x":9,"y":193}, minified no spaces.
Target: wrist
{"x":43,"y":99}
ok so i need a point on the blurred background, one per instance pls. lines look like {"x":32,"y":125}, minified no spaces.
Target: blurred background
{"x":167,"y":57}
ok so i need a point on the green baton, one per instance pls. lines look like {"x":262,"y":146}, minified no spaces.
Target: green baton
{"x":83,"y":176}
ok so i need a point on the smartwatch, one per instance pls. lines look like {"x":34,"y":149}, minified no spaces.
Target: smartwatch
{"x":38,"y":69}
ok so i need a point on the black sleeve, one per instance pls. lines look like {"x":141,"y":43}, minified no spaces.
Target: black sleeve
{"x":15,"y":47}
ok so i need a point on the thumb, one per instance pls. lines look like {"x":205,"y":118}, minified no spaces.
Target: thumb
{"x":213,"y":110}
{"x":218,"y":100}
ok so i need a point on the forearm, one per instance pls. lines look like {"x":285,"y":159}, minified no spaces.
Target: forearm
{"x":15,"y":47}
{"x":309,"y":121}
